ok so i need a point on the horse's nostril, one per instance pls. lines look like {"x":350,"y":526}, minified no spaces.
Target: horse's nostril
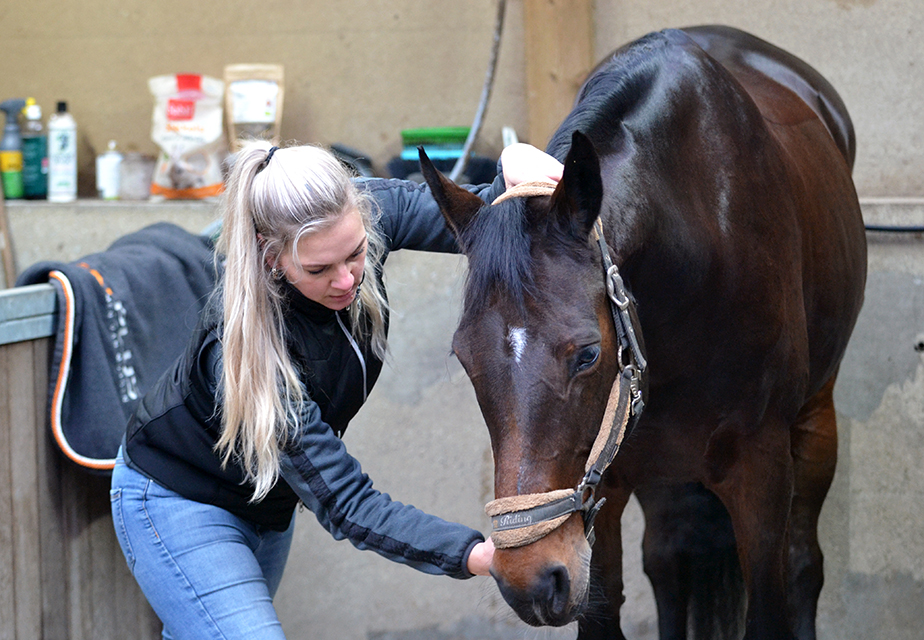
{"x":558,"y":591}
{"x":545,"y":600}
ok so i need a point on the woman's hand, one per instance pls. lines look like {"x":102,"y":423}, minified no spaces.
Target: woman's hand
{"x":523,"y":162}
{"x":479,"y":560}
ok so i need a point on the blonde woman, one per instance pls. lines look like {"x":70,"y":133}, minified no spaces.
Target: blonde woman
{"x":247,"y":422}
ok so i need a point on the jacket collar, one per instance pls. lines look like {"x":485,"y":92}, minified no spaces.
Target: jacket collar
{"x":314,"y":311}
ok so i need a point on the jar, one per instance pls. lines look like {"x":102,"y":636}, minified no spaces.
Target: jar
{"x":135,"y":174}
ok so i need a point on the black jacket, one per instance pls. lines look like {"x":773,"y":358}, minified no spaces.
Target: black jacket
{"x":172,"y":435}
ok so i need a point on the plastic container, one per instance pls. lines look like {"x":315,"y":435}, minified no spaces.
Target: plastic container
{"x":136,"y":172}
{"x":440,"y":143}
{"x":11,"y":149}
{"x":34,"y":153}
{"x":108,"y":166}
{"x":62,"y":156}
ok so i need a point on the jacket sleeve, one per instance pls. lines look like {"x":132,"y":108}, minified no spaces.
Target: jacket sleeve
{"x":332,"y":485}
{"x":410,"y":217}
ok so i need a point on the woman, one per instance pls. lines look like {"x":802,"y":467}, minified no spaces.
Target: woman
{"x":246,"y":423}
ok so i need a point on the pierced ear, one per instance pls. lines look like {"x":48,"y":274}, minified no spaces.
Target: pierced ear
{"x":458,"y":206}
{"x":579,"y":196}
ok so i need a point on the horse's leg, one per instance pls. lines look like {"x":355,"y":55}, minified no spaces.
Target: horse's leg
{"x":691,"y":561}
{"x":751,"y":470}
{"x":602,"y":619}
{"x":814,"y":452}
{"x":665,"y":559}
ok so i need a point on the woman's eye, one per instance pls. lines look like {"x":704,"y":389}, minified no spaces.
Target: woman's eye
{"x":585,"y":358}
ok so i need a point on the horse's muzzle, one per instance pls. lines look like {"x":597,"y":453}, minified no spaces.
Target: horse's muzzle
{"x":546,"y":602}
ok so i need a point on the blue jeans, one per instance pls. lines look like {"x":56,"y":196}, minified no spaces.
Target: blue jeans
{"x":205,"y":572}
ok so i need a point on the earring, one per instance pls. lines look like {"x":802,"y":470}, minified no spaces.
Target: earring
{"x":360,"y":286}
{"x":276,"y":274}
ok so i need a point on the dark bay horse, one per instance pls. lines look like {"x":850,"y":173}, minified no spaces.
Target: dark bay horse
{"x":719,"y":168}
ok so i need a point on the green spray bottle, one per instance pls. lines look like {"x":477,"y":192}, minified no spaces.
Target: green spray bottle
{"x":34,"y":153}
{"x":11,"y":149}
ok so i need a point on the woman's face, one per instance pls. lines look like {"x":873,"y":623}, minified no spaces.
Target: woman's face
{"x":330,"y":262}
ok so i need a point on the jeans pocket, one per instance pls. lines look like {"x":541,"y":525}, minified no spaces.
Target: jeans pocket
{"x":118,"y":521}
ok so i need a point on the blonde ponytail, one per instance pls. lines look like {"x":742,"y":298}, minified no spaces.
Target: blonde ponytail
{"x":268,"y":207}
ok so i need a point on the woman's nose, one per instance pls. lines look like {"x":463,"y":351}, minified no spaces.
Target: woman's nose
{"x":344,"y":279}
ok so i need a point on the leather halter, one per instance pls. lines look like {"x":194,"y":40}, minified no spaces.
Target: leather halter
{"x":521,"y":520}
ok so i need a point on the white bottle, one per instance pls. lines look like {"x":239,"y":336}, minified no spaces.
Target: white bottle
{"x":107,"y":172}
{"x":62,"y":156}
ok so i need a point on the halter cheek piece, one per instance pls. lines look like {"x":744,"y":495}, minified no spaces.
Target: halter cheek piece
{"x":521,"y":520}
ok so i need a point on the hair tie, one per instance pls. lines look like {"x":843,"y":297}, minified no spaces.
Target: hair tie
{"x":269,"y":156}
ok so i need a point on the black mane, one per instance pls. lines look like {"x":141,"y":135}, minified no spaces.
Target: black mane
{"x":611,"y":92}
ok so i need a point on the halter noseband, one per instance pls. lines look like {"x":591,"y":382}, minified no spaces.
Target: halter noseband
{"x":521,"y":520}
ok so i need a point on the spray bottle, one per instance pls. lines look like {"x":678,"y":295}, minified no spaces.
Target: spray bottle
{"x":11,"y":149}
{"x":34,"y":153}
{"x":62,"y":156}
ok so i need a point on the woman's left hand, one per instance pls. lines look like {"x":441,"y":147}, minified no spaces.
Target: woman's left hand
{"x":479,"y":560}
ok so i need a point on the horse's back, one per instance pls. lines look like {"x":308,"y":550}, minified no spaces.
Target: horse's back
{"x":746,"y":56}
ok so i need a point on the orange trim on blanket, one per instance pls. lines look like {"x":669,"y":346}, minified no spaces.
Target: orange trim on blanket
{"x":61,"y":381}
{"x":96,"y":274}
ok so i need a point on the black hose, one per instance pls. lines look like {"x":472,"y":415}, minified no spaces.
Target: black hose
{"x":894,"y":229}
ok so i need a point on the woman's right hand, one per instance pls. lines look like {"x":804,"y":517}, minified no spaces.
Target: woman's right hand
{"x":479,"y":560}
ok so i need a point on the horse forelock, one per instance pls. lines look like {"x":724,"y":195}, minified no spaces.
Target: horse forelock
{"x":501,"y":244}
{"x":498,"y":246}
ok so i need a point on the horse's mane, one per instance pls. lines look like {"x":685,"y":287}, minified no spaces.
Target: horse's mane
{"x":611,"y":92}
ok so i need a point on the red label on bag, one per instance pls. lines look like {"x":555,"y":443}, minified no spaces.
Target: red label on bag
{"x":180,"y":109}
{"x":188,"y":82}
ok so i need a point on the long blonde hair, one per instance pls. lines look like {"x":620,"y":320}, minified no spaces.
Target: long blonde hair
{"x":268,"y":207}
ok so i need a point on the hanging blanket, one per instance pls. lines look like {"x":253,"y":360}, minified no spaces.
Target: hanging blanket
{"x":123,"y":316}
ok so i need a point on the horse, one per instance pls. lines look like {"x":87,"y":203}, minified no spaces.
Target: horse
{"x":683,"y":295}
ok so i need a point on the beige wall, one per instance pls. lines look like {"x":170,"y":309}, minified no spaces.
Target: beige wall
{"x":359,"y":71}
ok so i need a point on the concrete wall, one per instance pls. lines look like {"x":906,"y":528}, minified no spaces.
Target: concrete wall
{"x":870,"y":50}
{"x":359,"y":71}
{"x":422,"y":438}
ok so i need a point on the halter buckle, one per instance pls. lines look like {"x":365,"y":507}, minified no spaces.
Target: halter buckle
{"x":616,"y":289}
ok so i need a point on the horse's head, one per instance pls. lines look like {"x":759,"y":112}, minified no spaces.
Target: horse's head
{"x":537,"y":339}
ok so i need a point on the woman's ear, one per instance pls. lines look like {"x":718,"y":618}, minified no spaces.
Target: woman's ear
{"x":272,"y":260}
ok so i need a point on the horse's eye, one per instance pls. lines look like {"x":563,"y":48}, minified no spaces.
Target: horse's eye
{"x":585,"y":358}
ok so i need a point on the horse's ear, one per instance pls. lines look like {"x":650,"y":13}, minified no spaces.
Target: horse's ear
{"x":579,"y":195}
{"x":457,"y":205}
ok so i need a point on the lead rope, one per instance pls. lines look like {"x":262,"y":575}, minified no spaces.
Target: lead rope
{"x":523,"y":519}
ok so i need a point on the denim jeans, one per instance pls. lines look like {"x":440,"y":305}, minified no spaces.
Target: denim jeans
{"x":205,"y":572}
